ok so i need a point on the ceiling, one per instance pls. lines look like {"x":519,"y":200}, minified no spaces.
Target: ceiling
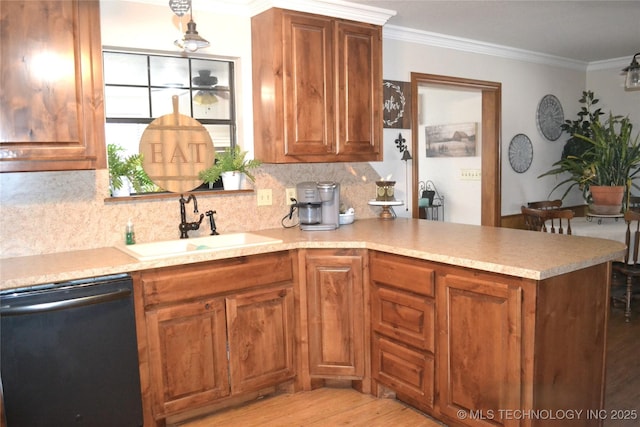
{"x":585,"y":31}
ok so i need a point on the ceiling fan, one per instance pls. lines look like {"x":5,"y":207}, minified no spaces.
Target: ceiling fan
{"x":210,"y":91}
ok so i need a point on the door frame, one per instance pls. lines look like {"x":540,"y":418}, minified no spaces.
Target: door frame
{"x":491,"y":140}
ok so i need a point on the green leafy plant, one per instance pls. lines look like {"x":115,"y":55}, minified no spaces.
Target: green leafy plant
{"x":130,"y":167}
{"x":230,"y":160}
{"x":575,"y":146}
{"x":611,"y":157}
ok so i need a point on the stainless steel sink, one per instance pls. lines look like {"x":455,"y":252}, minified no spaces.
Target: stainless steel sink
{"x":172,"y":248}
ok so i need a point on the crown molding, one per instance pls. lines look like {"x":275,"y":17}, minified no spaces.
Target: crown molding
{"x":333,"y":8}
{"x":393,"y":32}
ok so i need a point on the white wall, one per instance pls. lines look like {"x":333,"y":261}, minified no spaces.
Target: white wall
{"x":608,"y":85}
{"x":523,"y":85}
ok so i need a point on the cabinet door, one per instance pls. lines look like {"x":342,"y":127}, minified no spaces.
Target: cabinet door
{"x":261,"y":330}
{"x":359,"y":106}
{"x":480,"y":349}
{"x":335,"y":314}
{"x":188,"y":355}
{"x":309,"y":112}
{"x":317,"y":88}
{"x":51,"y":106}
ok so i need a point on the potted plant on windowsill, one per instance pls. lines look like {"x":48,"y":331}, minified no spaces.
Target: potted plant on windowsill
{"x":126,"y":173}
{"x":611,"y":159}
{"x":232,"y":166}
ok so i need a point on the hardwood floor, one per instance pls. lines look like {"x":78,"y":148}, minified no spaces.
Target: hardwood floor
{"x":323,"y":407}
{"x":623,"y":367}
{"x":334,"y":406}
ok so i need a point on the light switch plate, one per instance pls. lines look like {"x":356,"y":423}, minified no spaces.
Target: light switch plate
{"x":471,"y":174}
{"x":265,"y":197}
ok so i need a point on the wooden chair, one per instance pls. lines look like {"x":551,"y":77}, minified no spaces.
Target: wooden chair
{"x":630,"y":268}
{"x":634,"y":203}
{"x":537,"y":219}
{"x":545,"y":204}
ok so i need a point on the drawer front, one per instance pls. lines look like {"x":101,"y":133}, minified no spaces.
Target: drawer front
{"x":402,"y":272}
{"x":404,"y":370}
{"x":191,"y":281}
{"x":403,"y":316}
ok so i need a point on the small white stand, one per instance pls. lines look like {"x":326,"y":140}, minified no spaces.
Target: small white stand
{"x":387,"y":212}
{"x":591,"y":216}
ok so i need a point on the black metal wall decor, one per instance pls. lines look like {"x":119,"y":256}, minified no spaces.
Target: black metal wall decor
{"x":401,"y":143}
{"x":550,"y":117}
{"x":396,"y":104}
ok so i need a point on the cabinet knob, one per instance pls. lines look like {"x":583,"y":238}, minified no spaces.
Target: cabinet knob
{"x":207,"y":306}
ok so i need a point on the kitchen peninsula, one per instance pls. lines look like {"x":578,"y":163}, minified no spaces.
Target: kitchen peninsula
{"x":447,"y":317}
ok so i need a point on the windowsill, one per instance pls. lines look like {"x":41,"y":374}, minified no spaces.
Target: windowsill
{"x":159,"y":196}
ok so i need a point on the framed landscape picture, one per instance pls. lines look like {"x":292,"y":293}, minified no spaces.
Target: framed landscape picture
{"x":451,"y":140}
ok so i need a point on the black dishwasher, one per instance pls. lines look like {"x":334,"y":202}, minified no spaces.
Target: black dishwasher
{"x":68,"y":354}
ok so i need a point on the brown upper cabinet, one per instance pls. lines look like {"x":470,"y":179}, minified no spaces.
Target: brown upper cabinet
{"x":317,"y":88}
{"x":51,"y":105}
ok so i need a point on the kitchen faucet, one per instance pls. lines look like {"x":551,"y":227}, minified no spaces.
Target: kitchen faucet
{"x":184,"y":225}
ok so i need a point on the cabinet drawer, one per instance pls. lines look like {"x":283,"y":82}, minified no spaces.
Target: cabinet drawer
{"x":191,"y":281}
{"x":404,"y":370}
{"x":402,"y":272}
{"x":403,"y":316}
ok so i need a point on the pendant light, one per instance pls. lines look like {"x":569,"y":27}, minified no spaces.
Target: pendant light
{"x":191,"y":40}
{"x":632,"y":82}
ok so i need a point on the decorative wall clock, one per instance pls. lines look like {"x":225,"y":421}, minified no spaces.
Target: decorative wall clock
{"x":550,"y":117}
{"x":520,"y":153}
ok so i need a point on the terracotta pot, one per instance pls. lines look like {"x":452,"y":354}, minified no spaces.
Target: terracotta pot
{"x":607,"y":200}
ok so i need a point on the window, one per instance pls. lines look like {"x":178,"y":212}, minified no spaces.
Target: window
{"x":139,"y":88}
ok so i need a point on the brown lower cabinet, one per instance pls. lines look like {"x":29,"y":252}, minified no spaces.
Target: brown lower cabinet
{"x":403,"y":324}
{"x":483,"y":349}
{"x":468,"y":347}
{"x":214,"y":330}
{"x":335,"y":312}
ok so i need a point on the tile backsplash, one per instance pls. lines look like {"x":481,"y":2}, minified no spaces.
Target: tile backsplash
{"x":47,"y":212}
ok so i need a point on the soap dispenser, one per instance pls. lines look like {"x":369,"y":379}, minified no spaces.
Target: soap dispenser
{"x":130,"y":235}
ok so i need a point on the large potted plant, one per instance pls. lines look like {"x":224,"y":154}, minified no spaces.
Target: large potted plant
{"x":610,"y":159}
{"x":232,"y":166}
{"x":126,"y":172}
{"x":587,"y":115}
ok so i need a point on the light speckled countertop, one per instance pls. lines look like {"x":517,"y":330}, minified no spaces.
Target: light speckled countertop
{"x":500,"y":250}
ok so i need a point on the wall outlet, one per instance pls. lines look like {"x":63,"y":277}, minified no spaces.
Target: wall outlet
{"x":265,"y":197}
{"x":471,"y":174}
{"x":290,"y":193}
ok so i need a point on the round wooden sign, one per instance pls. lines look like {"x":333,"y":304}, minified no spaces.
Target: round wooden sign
{"x":175,"y":148}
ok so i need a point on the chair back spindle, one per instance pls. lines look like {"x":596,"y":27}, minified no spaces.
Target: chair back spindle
{"x":548,"y":220}
{"x":629,"y":269}
{"x":632,"y":218}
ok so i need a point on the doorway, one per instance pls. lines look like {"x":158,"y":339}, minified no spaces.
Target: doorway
{"x":490,"y":124}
